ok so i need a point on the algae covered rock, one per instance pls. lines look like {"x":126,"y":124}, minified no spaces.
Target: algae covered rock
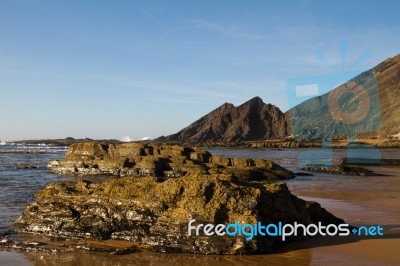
{"x":139,"y":159}
{"x":155,"y":212}
{"x":160,"y":193}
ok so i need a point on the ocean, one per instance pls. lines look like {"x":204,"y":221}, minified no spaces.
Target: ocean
{"x":23,"y":172}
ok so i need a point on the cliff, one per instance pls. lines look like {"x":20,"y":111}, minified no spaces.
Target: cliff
{"x":365,"y":106}
{"x":253,"y":120}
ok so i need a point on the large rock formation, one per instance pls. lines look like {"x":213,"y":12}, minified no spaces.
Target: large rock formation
{"x":388,"y":78}
{"x":163,"y":188}
{"x":138,"y":159}
{"x":155,"y":213}
{"x":253,"y":120}
{"x":367,"y":105}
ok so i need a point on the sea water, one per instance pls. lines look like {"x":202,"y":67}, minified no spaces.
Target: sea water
{"x":23,"y":172}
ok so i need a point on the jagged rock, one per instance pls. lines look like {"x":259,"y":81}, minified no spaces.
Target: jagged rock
{"x":253,"y":120}
{"x":139,"y":159}
{"x":27,"y":166}
{"x":340,"y":170}
{"x":155,"y":212}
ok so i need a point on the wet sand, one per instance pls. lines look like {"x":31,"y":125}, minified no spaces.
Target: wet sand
{"x":358,"y":200}
{"x":13,"y":259}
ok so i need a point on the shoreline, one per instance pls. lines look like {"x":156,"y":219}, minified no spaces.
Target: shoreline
{"x":358,"y":200}
{"x":381,"y":143}
{"x":369,"y":204}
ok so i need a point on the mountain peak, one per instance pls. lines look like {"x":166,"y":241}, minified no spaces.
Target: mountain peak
{"x":249,"y":121}
{"x":226,"y":105}
{"x":255,"y":100}
{"x":312,"y":119}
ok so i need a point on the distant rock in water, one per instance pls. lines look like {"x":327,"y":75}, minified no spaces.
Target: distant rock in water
{"x":63,"y":142}
{"x":155,"y":213}
{"x":139,"y":159}
{"x":253,"y":120}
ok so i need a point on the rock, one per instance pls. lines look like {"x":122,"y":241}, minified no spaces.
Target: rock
{"x":62,"y":142}
{"x":26,"y":166}
{"x":303,"y":174}
{"x":317,"y":118}
{"x":340,"y":170}
{"x":139,"y":159}
{"x":7,"y":243}
{"x":365,"y":161}
{"x":155,"y":212}
{"x":253,"y":120}
{"x":124,"y":251}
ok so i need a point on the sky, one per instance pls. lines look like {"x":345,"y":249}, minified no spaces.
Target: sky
{"x":136,"y":69}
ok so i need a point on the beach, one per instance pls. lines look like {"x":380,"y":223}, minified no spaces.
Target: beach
{"x":355,"y":206}
{"x":359,"y":200}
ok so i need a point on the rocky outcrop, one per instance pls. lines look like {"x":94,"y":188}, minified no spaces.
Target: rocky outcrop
{"x":388,"y":79}
{"x":164,"y":161}
{"x":253,"y":120}
{"x":363,"y":161}
{"x":63,"y":142}
{"x":340,"y":170}
{"x":155,"y":212}
{"x":363,"y":107}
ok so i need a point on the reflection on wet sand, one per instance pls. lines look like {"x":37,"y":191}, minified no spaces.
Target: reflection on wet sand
{"x":317,"y":251}
{"x":301,"y":257}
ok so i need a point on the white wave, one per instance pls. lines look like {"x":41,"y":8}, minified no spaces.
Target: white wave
{"x":129,"y":139}
{"x":6,"y":143}
{"x":126,"y":139}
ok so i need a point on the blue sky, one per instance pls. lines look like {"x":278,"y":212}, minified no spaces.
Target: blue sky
{"x":109,"y":69}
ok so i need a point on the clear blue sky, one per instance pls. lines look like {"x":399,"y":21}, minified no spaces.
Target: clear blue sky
{"x":108,"y":69}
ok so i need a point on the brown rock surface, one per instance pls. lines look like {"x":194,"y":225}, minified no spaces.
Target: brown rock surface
{"x":139,"y":159}
{"x":155,"y":213}
{"x":253,"y":120}
{"x":388,"y":77}
{"x":377,"y":90}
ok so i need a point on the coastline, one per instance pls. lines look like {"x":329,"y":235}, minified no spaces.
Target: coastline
{"x":315,"y":251}
{"x":358,"y":200}
{"x":337,"y":143}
